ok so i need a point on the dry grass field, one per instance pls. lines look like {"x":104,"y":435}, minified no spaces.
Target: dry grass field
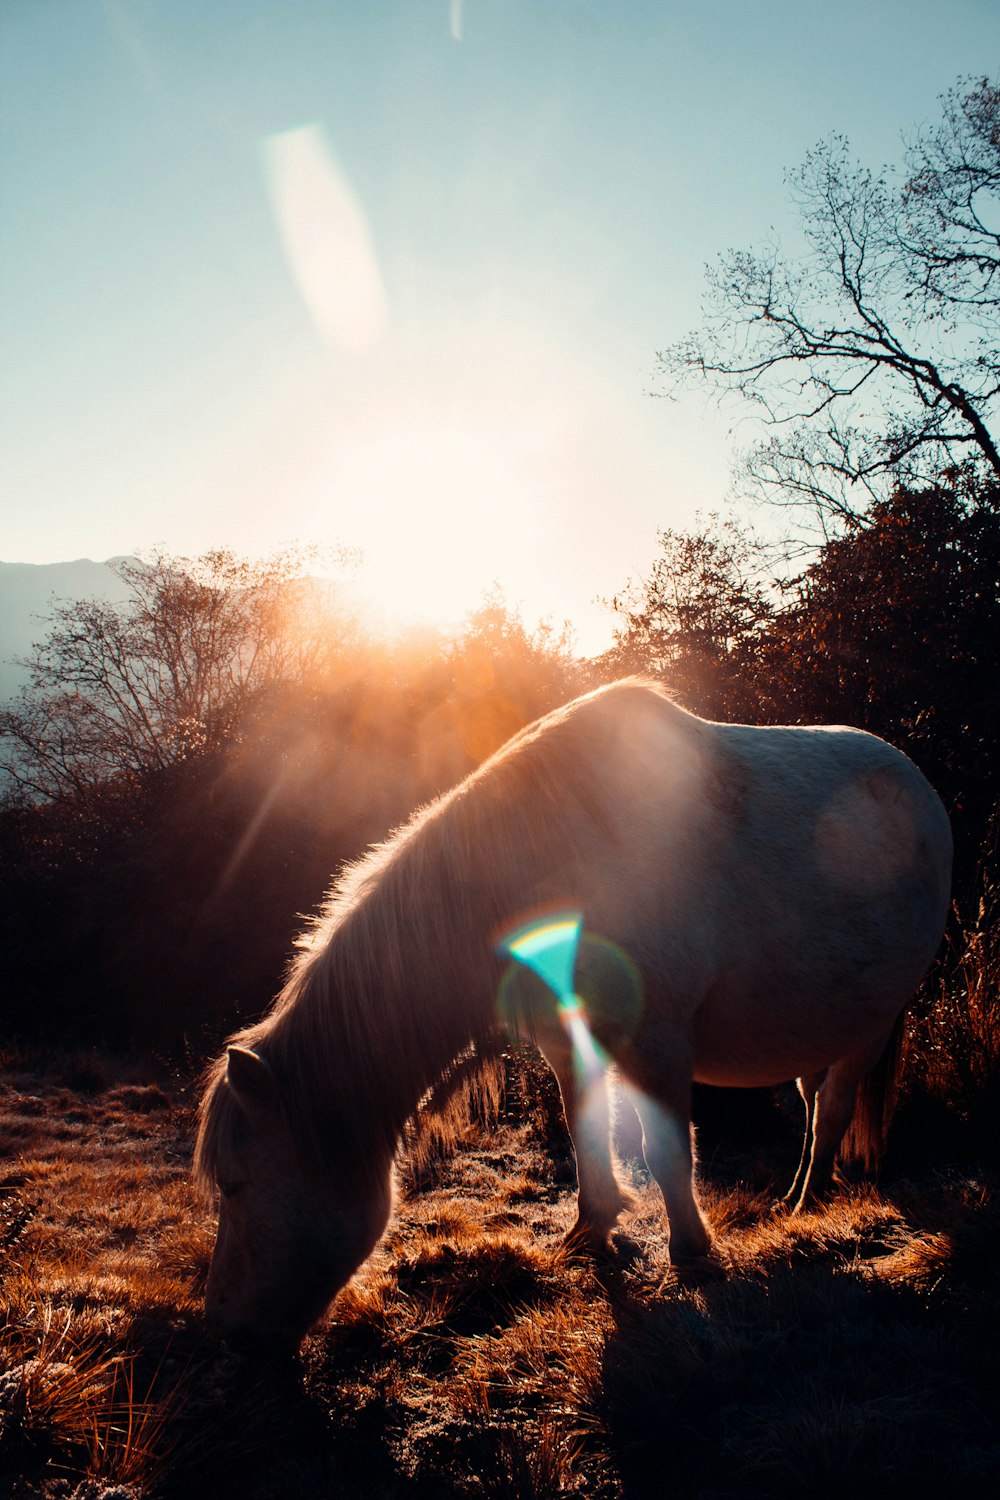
{"x":851,"y":1351}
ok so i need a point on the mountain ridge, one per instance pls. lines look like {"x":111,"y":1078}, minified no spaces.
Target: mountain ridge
{"x":29,"y":592}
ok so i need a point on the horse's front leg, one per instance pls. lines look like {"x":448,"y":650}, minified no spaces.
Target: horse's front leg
{"x":584,"y":1090}
{"x":661,"y":1094}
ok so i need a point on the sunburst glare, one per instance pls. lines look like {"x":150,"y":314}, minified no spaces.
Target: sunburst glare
{"x":438,"y":511}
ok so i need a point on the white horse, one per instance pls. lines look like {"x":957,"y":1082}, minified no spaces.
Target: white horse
{"x":744,"y":905}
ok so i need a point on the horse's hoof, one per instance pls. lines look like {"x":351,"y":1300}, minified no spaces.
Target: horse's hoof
{"x":805,"y":1204}
{"x":626,"y":1251}
{"x":696,"y":1270}
{"x":584,"y":1239}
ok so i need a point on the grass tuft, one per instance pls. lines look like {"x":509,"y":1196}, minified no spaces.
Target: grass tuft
{"x":836,"y":1351}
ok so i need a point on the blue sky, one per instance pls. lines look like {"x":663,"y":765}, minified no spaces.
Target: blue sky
{"x":522,"y":195}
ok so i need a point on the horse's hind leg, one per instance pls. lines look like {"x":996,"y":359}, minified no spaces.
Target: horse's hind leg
{"x":588,"y":1116}
{"x":833,"y":1106}
{"x":808,"y":1087}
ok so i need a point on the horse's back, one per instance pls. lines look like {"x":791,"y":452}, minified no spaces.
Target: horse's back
{"x":784,"y":888}
{"x":839,"y":813}
{"x":838,"y":859}
{"x":737,"y":817}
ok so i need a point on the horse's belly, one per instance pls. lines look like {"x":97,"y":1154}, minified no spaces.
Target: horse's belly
{"x":752,"y":1070}
{"x":752,"y":1073}
{"x":770,"y":1043}
{"x":826,"y":980}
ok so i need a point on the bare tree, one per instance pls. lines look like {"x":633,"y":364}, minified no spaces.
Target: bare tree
{"x":875,"y":358}
{"x":123,"y":690}
{"x":698,"y":616}
{"x":949,"y":223}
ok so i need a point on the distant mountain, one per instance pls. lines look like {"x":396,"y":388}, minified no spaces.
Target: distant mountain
{"x":28,"y":592}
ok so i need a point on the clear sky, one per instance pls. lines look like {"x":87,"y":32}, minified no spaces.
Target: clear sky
{"x":394,"y":272}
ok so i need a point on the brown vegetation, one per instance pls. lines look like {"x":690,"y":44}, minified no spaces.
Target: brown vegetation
{"x":843,"y":1351}
{"x":848,"y":1350}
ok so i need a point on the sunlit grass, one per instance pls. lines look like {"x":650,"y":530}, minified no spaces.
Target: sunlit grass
{"x":473,"y":1354}
{"x":954,"y":1034}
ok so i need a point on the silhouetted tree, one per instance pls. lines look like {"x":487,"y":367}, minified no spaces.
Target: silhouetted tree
{"x":894,"y":628}
{"x":126,"y":690}
{"x":875,"y":357}
{"x":697,"y":619}
{"x":152,"y":874}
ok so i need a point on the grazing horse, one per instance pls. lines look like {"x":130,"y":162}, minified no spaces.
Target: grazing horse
{"x":687,"y":900}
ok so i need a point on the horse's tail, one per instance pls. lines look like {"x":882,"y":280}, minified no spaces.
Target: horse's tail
{"x":874,"y":1103}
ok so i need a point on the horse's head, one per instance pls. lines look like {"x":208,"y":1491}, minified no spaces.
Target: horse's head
{"x":291,"y":1230}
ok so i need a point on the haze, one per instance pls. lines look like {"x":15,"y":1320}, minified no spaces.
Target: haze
{"x":394,"y":276}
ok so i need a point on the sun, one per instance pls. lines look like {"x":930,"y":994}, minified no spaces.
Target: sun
{"x":439,"y":512}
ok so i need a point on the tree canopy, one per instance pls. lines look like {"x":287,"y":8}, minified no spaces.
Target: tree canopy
{"x":874,"y":357}
{"x":892,"y":626}
{"x":697,"y":618}
{"x":120,"y":690}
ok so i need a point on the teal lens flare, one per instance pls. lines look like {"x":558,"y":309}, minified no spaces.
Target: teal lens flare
{"x":549,"y":949}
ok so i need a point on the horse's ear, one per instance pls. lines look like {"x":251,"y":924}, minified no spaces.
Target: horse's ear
{"x":250,"y":1077}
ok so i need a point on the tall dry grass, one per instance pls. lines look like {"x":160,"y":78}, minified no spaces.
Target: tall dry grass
{"x":953,"y":1051}
{"x":848,"y":1350}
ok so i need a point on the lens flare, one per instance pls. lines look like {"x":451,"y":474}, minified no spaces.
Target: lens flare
{"x":549,"y":949}
{"x":327,"y":239}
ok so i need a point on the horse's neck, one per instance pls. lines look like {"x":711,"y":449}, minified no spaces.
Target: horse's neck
{"x":407,"y":1009}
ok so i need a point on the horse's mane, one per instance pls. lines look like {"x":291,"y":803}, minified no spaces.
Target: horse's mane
{"x":386,"y":993}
